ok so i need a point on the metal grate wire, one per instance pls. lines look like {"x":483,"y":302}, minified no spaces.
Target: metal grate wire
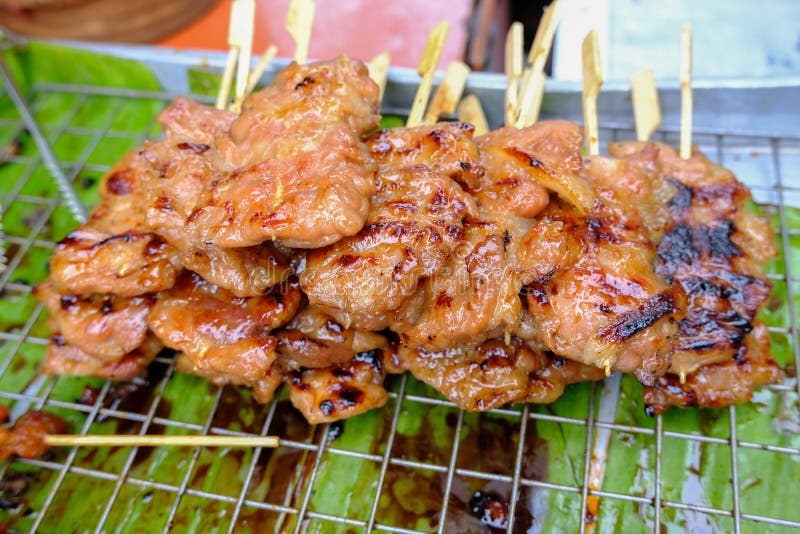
{"x":319,"y":447}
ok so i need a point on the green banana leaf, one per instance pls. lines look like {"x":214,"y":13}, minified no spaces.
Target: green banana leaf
{"x":346,"y":481}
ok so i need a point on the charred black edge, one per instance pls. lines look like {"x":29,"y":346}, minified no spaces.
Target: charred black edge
{"x":629,"y":323}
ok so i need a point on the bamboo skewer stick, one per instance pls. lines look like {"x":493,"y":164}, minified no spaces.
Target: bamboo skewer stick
{"x":445,"y":99}
{"x":122,"y":440}
{"x":427,"y":69}
{"x":686,"y":91}
{"x":646,"y":109}
{"x":230,"y":62}
{"x":261,"y":67}
{"x":243,"y":20}
{"x":532,"y":90}
{"x":227,"y":78}
{"x":240,"y":40}
{"x":298,"y":24}
{"x":513,"y":68}
{"x":379,"y":69}
{"x":471,"y":111}
{"x":592,"y":80}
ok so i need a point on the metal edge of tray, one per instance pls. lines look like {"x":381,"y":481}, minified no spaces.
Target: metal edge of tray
{"x":763,"y":107}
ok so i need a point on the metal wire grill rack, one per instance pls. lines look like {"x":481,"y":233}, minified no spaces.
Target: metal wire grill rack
{"x":766,"y":172}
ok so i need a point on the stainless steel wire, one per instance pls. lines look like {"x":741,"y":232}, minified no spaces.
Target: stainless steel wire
{"x":318,"y":447}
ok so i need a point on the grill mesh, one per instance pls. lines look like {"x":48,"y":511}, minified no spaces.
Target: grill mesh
{"x":174,"y":497}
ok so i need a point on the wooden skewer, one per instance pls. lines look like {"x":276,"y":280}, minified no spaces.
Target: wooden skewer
{"x":230,"y":62}
{"x":125,"y":440}
{"x":532,"y":94}
{"x":471,"y":111}
{"x":445,"y":99}
{"x":261,"y":67}
{"x":532,"y":89}
{"x":379,"y":69}
{"x":592,"y":80}
{"x":298,"y":24}
{"x":513,"y":67}
{"x":244,"y":15}
{"x":686,"y":91}
{"x":227,"y":78}
{"x":646,"y":109}
{"x":240,"y":40}
{"x":426,"y":69}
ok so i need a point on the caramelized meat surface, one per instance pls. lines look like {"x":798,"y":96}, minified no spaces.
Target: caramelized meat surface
{"x":473,"y":298}
{"x":720,"y":384}
{"x":714,"y":249}
{"x":292,"y":167}
{"x":415,"y":223}
{"x":494,"y":374}
{"x":26,"y":437}
{"x":337,"y":392}
{"x":128,"y":264}
{"x":314,"y":339}
{"x":219,"y":335}
{"x":594,"y":294}
{"x":65,"y":359}
{"x":107,"y":327}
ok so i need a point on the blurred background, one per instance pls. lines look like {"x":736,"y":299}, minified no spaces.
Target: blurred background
{"x":732,"y":38}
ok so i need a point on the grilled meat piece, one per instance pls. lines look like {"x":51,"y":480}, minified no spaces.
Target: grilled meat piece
{"x":719,"y":384}
{"x":222,"y":337}
{"x":263,"y":385}
{"x":314,"y":339}
{"x":414,"y":225}
{"x":127,"y":264}
{"x":65,"y":359}
{"x":594,"y":293}
{"x":27,"y":437}
{"x":105,"y":326}
{"x":158,"y":187}
{"x":445,"y":148}
{"x":292,"y":167}
{"x":713,"y":248}
{"x":473,"y":298}
{"x":494,"y":373}
{"x":339,"y":391}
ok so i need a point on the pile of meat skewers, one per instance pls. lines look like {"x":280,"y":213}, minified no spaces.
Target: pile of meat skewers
{"x":293,"y":243}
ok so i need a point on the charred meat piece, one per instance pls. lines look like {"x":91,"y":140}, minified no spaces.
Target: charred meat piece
{"x":314,"y":339}
{"x":594,"y":292}
{"x":473,"y":298}
{"x":220,"y":336}
{"x":523,"y":164}
{"x":105,"y":326}
{"x":414,"y":225}
{"x":26,"y":437}
{"x":158,"y":187}
{"x":445,"y":148}
{"x":340,"y":391}
{"x":65,"y":359}
{"x":719,"y":384}
{"x":713,"y":249}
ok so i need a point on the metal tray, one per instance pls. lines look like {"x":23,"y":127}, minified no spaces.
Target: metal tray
{"x":753,"y":128}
